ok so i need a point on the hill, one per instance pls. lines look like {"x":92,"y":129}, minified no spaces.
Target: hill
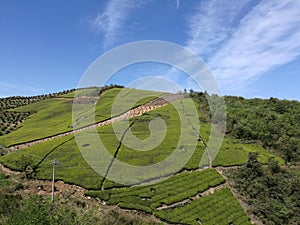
{"x":195,"y":193}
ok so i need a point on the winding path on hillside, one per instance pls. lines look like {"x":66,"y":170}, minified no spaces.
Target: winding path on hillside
{"x":161,"y":101}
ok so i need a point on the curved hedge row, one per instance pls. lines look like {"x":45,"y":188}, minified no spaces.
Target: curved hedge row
{"x":218,"y":208}
{"x":172,"y":190}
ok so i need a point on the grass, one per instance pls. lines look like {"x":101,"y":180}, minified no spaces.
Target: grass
{"x":163,"y":141}
{"x":50,"y":111}
{"x":72,"y":167}
{"x":234,"y":153}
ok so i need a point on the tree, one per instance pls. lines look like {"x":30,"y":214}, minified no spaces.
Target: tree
{"x":24,"y":164}
{"x":254,"y":167}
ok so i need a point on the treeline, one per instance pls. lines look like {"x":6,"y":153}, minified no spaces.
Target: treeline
{"x":273,"y":123}
{"x":272,"y":193}
{"x":107,"y":87}
{"x":9,"y":121}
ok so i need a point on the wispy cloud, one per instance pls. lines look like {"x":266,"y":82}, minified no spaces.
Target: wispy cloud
{"x":110,"y":21}
{"x":212,"y":23}
{"x":242,"y":46}
{"x":177,"y":4}
{"x":269,"y":36}
{"x":9,"y":89}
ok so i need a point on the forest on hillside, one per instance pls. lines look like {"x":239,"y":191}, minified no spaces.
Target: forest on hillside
{"x":272,"y":192}
{"x":272,"y":123}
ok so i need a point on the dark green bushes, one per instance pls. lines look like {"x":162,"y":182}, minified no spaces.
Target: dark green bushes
{"x":174,"y":189}
{"x":10,"y":120}
{"x":273,"y":123}
{"x":273,"y":193}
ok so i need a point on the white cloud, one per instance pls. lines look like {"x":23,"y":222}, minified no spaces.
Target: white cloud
{"x":110,"y":21}
{"x":212,"y":24}
{"x":269,"y":36}
{"x":240,"y":47}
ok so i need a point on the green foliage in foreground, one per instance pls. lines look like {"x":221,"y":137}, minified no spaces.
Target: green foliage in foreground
{"x":16,"y":209}
{"x":219,"y":208}
{"x":273,"y":193}
{"x":174,"y":189}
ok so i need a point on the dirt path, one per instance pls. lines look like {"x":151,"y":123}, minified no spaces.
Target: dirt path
{"x":137,"y":111}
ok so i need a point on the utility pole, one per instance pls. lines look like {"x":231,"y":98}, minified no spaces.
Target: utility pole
{"x":54,"y":163}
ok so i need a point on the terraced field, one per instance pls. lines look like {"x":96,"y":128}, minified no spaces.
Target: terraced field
{"x":218,"y":208}
{"x":182,"y":194}
{"x":54,"y":116}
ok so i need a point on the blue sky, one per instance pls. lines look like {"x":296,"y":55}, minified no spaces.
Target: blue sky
{"x":251,"y":47}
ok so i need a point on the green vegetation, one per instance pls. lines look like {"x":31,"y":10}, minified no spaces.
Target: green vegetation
{"x":18,"y":101}
{"x":76,"y":170}
{"x":272,"y":123}
{"x":174,"y":189}
{"x":233,"y":153}
{"x":10,"y":121}
{"x":218,"y":208}
{"x":17,"y":208}
{"x":177,"y":199}
{"x":72,"y":167}
{"x":272,"y":193}
{"x":58,"y":113}
{"x":50,"y":111}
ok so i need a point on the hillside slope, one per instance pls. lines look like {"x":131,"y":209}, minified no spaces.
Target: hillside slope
{"x":193,"y":195}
